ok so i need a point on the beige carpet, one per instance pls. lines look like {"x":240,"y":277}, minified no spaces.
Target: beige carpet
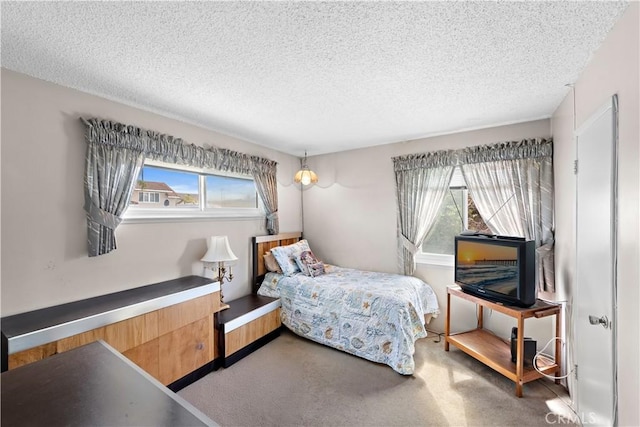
{"x":294,"y":382}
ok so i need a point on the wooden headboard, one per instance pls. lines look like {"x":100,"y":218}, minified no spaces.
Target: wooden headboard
{"x":262,"y":244}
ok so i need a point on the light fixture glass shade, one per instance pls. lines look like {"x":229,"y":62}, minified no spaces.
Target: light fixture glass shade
{"x":219,"y":250}
{"x":305,"y":176}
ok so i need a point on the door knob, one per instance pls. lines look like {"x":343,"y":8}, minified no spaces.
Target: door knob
{"x":604,"y":321}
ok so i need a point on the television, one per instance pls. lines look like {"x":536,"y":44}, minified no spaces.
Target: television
{"x":497,"y":268}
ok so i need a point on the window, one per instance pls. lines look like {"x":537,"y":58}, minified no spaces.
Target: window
{"x":226,"y":192}
{"x":164,"y":188}
{"x":169,"y":191}
{"x":457,"y":213}
{"x":148,"y":197}
{"x":451,"y":221}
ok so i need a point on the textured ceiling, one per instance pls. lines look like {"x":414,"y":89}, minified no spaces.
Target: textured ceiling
{"x":321,"y":76}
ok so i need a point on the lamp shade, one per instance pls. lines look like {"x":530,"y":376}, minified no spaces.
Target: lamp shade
{"x":219,"y":250}
{"x":305,"y":176}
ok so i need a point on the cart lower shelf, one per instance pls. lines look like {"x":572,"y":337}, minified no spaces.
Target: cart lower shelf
{"x":496,"y":354}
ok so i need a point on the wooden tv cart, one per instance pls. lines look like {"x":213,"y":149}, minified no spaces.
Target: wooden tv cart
{"x":495,"y":352}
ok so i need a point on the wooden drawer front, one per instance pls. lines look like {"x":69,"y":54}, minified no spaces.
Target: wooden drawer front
{"x":132,"y":332}
{"x":186,"y":349}
{"x":78,"y":340}
{"x":31,"y":355}
{"x":246,"y":334}
{"x":121,"y":335}
{"x":147,"y":357}
{"x":182,"y":314}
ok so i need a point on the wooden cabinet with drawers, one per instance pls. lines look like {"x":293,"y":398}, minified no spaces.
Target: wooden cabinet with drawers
{"x":173,"y":337}
{"x":249,"y":323}
{"x":186,"y":349}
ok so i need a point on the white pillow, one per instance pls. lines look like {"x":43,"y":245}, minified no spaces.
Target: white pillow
{"x":286,"y":256}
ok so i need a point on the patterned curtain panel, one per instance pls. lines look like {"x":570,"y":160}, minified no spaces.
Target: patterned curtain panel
{"x":267,"y":186}
{"x":422,"y":181}
{"x":110,"y":176}
{"x":112,"y":169}
{"x":511,"y":184}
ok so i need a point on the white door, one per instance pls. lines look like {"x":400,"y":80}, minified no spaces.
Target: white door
{"x":594,"y":314}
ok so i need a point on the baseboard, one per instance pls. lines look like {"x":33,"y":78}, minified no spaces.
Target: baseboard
{"x":195,"y":375}
{"x":245,"y":351}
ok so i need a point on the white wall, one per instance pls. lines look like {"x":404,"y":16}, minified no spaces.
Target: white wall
{"x":613,"y":69}
{"x":44,"y":255}
{"x":350,"y":215}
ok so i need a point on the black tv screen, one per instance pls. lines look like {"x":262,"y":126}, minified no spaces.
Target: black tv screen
{"x":499,"y":268}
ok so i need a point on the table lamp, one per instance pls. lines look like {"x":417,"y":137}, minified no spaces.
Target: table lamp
{"x":218,"y":253}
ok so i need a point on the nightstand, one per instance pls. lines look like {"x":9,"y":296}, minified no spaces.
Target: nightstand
{"x":248,"y":324}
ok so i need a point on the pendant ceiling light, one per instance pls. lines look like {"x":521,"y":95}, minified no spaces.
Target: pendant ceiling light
{"x":305,"y":176}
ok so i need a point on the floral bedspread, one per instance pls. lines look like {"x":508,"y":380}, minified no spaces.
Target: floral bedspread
{"x":376,"y":316}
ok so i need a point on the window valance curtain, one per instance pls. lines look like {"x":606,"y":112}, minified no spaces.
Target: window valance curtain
{"x":115,"y":155}
{"x":166,"y":148}
{"x":511,"y":150}
{"x":422,"y":181}
{"x":511,"y":184}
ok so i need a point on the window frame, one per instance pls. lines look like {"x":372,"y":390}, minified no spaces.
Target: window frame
{"x":195,"y":213}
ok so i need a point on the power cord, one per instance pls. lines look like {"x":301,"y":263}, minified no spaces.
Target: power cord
{"x":549,"y":359}
{"x":439,"y":334}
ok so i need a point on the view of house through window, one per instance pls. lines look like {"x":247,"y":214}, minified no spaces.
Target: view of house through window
{"x":175,"y":189}
{"x":165,"y":188}
{"x":457,"y":213}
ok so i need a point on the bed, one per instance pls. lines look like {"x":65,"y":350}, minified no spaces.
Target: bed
{"x":376,"y":316}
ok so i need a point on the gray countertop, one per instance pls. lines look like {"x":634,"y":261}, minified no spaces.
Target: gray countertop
{"x":92,"y":385}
